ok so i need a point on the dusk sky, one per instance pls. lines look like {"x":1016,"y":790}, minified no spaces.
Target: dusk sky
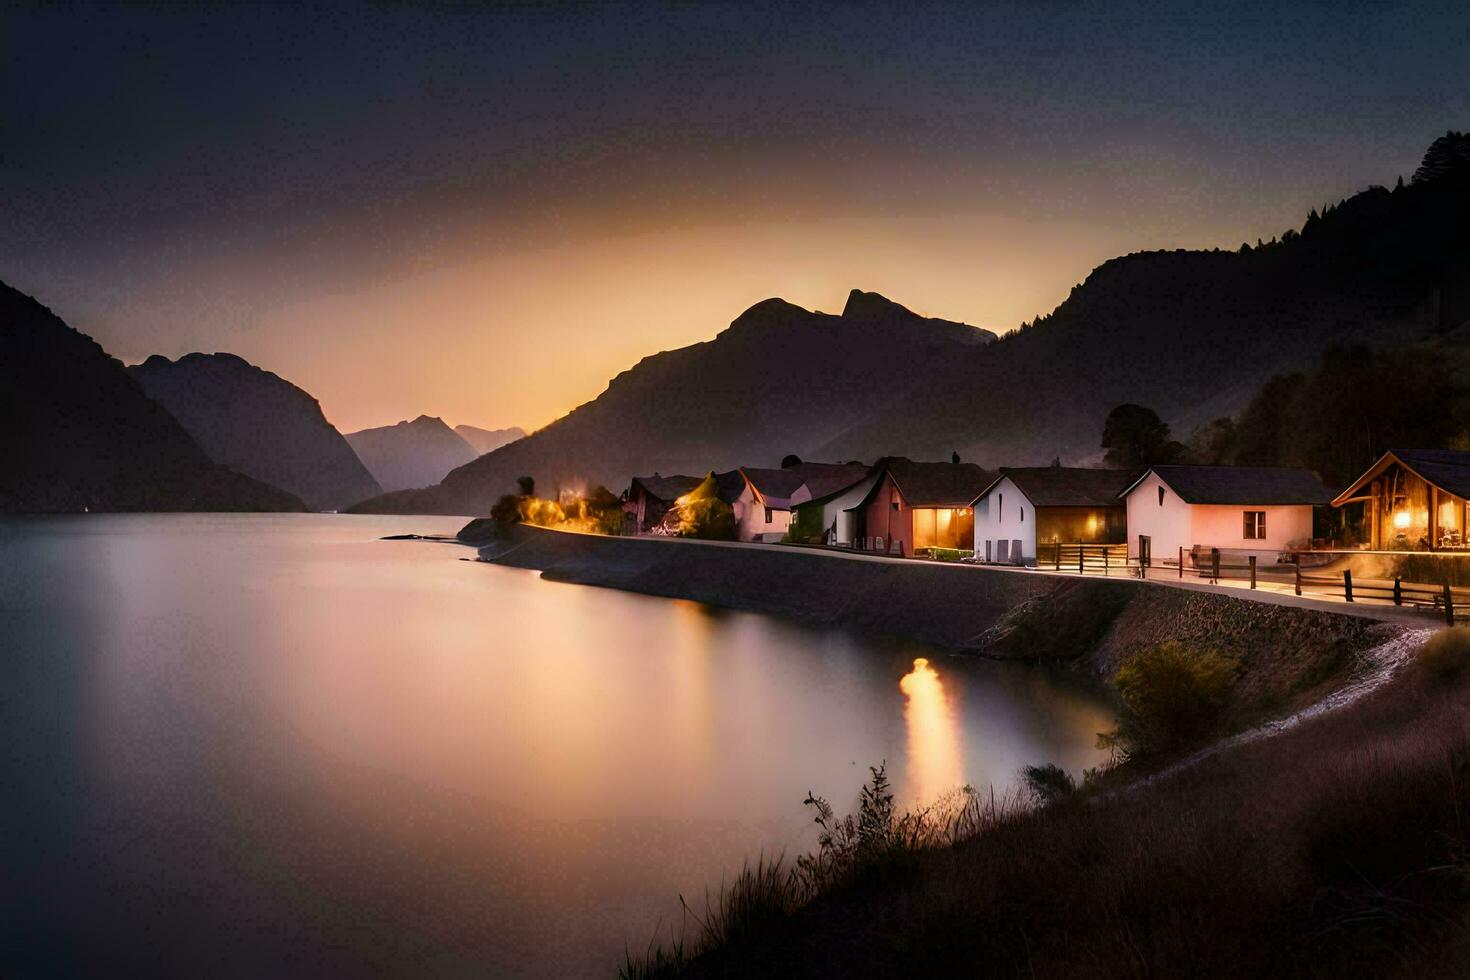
{"x":486,"y":214}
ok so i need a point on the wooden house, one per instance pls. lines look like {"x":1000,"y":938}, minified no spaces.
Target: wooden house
{"x":1411,"y":500}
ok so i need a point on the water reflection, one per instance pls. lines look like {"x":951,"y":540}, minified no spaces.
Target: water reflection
{"x":935,"y":759}
{"x":379,"y":758}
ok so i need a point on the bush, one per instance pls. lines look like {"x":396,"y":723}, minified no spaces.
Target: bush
{"x":702,"y":514}
{"x":1431,"y":570}
{"x":1172,"y":696}
{"x":1446,"y":654}
{"x":1048,"y":784}
{"x":507,"y":509}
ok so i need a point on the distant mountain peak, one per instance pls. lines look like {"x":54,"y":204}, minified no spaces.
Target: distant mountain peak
{"x":872,"y":306}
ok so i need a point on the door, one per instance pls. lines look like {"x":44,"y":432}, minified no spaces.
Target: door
{"x":1145,"y":551}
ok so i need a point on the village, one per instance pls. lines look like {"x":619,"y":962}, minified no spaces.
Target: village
{"x":1389,"y":537}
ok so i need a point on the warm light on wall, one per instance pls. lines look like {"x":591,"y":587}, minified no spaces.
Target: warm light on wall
{"x":1401,"y":519}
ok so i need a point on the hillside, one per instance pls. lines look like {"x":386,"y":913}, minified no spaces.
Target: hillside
{"x":411,"y":454}
{"x":779,"y":379}
{"x":488,"y":440}
{"x":80,"y":434}
{"x":260,"y":424}
{"x":1195,"y":334}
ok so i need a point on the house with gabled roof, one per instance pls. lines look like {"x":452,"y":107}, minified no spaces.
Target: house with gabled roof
{"x":914,"y":507}
{"x":1246,"y":510}
{"x":762,"y":498}
{"x":1411,"y":500}
{"x":649,"y":499}
{"x":1028,"y":508}
{"x":828,"y":516}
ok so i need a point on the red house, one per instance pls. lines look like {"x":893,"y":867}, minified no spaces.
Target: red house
{"x":915,"y":507}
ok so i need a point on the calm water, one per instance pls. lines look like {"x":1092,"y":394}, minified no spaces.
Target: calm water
{"x":279,"y":746}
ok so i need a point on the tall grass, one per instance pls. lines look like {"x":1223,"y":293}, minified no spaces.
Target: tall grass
{"x":877,"y":842}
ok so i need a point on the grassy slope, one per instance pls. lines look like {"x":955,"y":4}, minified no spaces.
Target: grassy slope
{"x":1343,"y":844}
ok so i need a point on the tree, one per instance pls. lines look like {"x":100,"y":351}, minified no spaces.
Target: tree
{"x":702,"y":514}
{"x":790,"y":460}
{"x":1135,"y":436}
{"x":954,"y":458}
{"x":527,"y":485}
{"x":507,"y":509}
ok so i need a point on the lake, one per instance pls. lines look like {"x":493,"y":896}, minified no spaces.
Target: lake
{"x":277,"y":745}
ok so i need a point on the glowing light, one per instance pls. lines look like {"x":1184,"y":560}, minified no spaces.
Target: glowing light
{"x":934,"y":762}
{"x":1401,"y":519}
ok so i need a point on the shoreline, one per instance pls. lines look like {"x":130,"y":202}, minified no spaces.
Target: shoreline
{"x":1292,"y":654}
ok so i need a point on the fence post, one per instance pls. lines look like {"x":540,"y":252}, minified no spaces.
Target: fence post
{"x":1214,"y":566}
{"x":1181,"y":561}
{"x":1398,"y":592}
{"x":1298,"y":565}
{"x":1059,"y":554}
{"x":1106,"y":569}
{"x":1081,"y":556}
{"x":1253,"y":571}
{"x":1347,"y":584}
{"x":1449,"y":605}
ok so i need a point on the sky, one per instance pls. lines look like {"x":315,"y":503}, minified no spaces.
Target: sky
{"x":485,"y":213}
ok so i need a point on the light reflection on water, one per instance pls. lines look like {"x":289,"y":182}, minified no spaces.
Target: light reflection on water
{"x":276,"y":745}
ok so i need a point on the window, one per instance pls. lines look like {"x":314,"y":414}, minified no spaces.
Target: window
{"x":895,"y":505}
{"x":1023,"y":515}
{"x":1255,"y":525}
{"x":1000,"y":502}
{"x":1161,"y":496}
{"x":768,"y":515}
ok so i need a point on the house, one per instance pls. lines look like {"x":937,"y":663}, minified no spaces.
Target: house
{"x":649,"y":498}
{"x":762,"y":499}
{"x":1260,"y":510}
{"x":828,"y":516}
{"x":917,"y":506}
{"x":1027,"y":508}
{"x":1410,"y":500}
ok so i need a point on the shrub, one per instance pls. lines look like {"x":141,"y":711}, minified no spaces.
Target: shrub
{"x":507,"y":509}
{"x":1048,"y":784}
{"x":702,"y":514}
{"x":1432,"y":570}
{"x":1446,"y":654}
{"x":1171,"y":696}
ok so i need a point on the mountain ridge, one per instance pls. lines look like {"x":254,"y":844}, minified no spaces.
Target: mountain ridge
{"x":257,"y":422}
{"x":411,"y":454}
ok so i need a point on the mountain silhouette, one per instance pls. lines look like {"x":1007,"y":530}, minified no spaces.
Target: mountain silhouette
{"x":1191,"y":334}
{"x":488,"y":440}
{"x":779,"y":379}
{"x":411,"y":454}
{"x":79,"y":433}
{"x":259,"y":424}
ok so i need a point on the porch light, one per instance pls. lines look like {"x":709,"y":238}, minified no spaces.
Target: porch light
{"x":1401,"y":519}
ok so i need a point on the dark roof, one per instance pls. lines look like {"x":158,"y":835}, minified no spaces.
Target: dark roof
{"x":667,"y":488}
{"x":1067,"y":486}
{"x":932,"y":484}
{"x":826,"y":479}
{"x":1240,"y":484}
{"x":776,"y":486}
{"x":1448,"y":469}
{"x":730,"y":485}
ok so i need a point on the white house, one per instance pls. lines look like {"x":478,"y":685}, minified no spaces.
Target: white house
{"x":825,"y":508}
{"x":1047,"y":505}
{"x":762,"y":499}
{"x":1243,"y":510}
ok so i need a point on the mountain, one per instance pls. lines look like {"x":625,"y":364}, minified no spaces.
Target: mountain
{"x":78,"y":431}
{"x":411,"y":454}
{"x":260,"y":424}
{"x":1194,"y":334}
{"x":488,"y":440}
{"x":779,"y":379}
{"x":1191,"y":334}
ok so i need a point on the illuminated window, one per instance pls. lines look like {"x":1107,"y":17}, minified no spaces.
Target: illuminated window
{"x":1255,"y":525}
